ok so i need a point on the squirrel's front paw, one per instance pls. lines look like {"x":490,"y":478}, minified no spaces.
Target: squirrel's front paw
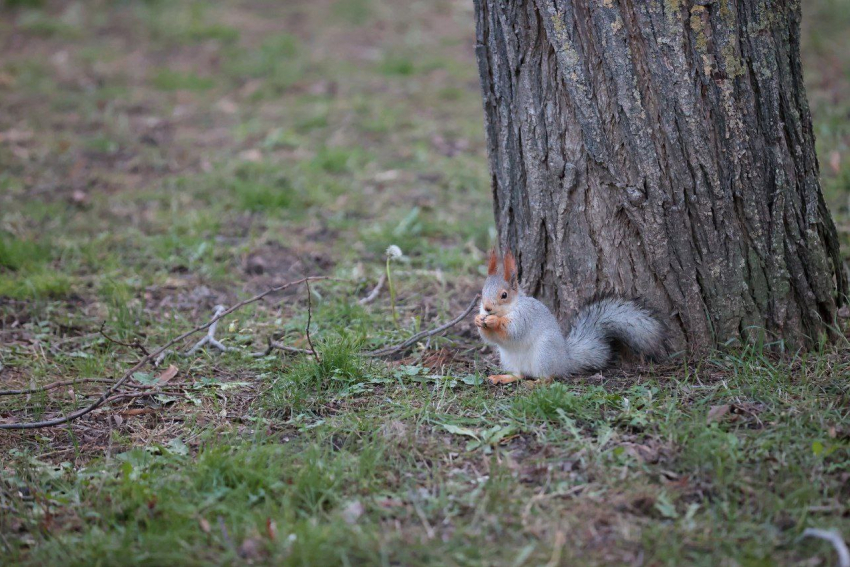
{"x":480,"y":321}
{"x":492,"y":322}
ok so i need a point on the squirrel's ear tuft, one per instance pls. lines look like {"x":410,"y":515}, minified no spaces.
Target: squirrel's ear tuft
{"x":510,"y":268}
{"x":492,"y":262}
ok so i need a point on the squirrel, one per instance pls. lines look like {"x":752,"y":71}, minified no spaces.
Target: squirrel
{"x":531,"y":344}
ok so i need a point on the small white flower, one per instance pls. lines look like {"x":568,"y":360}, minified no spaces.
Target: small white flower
{"x":394,"y":252}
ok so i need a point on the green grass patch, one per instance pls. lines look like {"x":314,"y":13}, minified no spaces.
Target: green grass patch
{"x":38,"y":285}
{"x":556,"y":403}
{"x":173,"y":80}
{"x":43,"y":24}
{"x":355,"y":12}
{"x":17,"y":254}
{"x":25,"y":272}
{"x":309,"y":383}
{"x":171,"y":508}
{"x":397,"y":65}
{"x":278,"y":62}
{"x":266,"y":188}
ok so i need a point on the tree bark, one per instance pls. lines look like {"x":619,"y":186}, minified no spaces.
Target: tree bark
{"x":661,"y":149}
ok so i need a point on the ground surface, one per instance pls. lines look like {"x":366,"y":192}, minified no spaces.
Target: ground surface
{"x":160,"y":158}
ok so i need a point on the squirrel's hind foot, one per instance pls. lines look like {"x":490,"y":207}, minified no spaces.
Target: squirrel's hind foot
{"x":503,"y":378}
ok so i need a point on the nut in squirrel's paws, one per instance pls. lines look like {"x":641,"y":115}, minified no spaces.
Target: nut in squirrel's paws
{"x":486,"y":321}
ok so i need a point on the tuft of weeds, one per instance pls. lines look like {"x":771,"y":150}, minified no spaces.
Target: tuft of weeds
{"x":307,"y":384}
{"x":265,"y":187}
{"x":397,"y":65}
{"x":262,"y":196}
{"x":556,"y":403}
{"x":17,"y":254}
{"x":337,"y":160}
{"x":25,"y":271}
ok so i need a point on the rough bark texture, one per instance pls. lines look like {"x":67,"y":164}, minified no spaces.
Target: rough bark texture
{"x":663,"y":149}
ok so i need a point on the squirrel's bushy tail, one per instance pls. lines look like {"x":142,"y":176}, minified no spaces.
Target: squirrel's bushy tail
{"x":604,"y":321}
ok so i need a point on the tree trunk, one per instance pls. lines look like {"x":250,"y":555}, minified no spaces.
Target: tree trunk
{"x":661,"y":149}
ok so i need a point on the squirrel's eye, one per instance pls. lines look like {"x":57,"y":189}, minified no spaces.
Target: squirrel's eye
{"x":504,"y":295}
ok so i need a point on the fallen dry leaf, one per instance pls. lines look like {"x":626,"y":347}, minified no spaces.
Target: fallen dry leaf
{"x":271,"y":529}
{"x":227,"y":106}
{"x":716,"y":413}
{"x":79,"y":197}
{"x":253,"y":155}
{"x":166,"y":375}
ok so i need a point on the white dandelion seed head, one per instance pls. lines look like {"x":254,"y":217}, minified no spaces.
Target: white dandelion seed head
{"x":394,"y":251}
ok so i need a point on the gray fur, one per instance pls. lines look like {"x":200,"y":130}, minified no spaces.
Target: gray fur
{"x":535,"y":346}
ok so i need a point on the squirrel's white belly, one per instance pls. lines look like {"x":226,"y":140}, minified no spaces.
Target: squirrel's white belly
{"x":521,"y":360}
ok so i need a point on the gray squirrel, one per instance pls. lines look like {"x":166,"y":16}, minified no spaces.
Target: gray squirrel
{"x":531,"y":344}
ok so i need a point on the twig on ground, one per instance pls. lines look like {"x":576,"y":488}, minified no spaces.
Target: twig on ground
{"x":135,"y":344}
{"x":224,"y":535}
{"x":286,"y":348}
{"x":373,"y":295}
{"x":133,"y":395}
{"x":162,"y":356}
{"x":835,"y":539}
{"x":309,"y":318}
{"x":272,"y":345}
{"x":152,"y":356}
{"x":419,"y":336}
{"x":209,"y":338}
{"x":109,"y":394}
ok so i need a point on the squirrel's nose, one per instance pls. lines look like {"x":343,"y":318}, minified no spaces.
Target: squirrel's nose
{"x":488,"y":307}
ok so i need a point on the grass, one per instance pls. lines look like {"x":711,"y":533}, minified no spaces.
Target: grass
{"x":171,"y":80}
{"x":752,"y":479}
{"x":179,"y":155}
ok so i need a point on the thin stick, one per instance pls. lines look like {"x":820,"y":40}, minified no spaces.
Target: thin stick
{"x":419,"y":336}
{"x":111,"y":390}
{"x":373,"y":295}
{"x":283,"y":347}
{"x":272,"y":345}
{"x":133,"y":395}
{"x":309,"y":318}
{"x":210,"y":336}
{"x":135,"y":344}
{"x":835,"y":539}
